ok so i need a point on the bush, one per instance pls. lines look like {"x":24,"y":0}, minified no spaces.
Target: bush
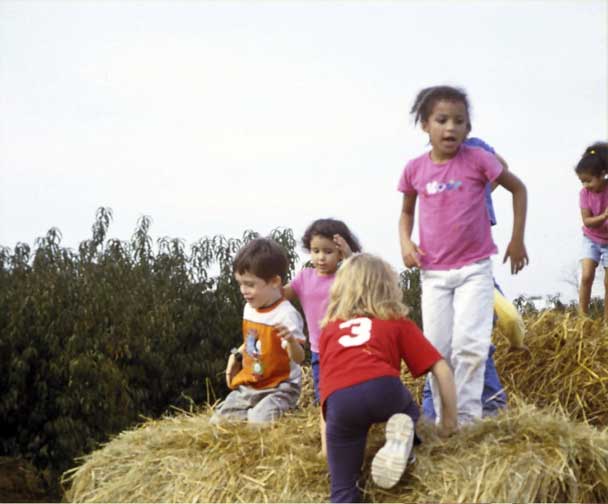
{"x":412,"y":293}
{"x":91,"y":341}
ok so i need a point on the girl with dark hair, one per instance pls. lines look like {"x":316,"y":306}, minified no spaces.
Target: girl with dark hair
{"x":592,"y":170}
{"x":328,"y":241}
{"x":455,"y":240}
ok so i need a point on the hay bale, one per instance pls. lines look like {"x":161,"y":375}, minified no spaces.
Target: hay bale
{"x":540,"y":450}
{"x":566,"y":366}
{"x":185,"y":458}
{"x":523,"y":455}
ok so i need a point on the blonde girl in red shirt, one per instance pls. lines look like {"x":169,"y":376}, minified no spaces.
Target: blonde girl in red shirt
{"x":366,"y":334}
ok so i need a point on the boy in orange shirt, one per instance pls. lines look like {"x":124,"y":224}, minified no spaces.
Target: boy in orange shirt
{"x":264,"y":373}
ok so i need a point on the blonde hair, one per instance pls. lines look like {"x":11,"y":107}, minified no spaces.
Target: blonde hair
{"x":365,"y":286}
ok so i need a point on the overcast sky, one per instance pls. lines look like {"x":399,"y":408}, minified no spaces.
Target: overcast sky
{"x":217,"y":117}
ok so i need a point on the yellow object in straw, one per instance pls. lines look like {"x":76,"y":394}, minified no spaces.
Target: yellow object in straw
{"x":510,"y":322}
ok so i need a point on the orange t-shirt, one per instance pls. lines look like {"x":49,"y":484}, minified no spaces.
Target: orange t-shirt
{"x":265,"y":362}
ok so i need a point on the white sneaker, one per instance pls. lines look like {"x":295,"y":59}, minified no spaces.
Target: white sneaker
{"x":390,"y":461}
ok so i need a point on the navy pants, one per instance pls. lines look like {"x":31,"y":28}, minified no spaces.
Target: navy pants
{"x":349,"y":413}
{"x":315,"y":364}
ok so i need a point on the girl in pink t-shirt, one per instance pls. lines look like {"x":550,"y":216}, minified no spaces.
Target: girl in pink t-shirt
{"x":592,"y":170}
{"x":455,"y":239}
{"x":328,"y":241}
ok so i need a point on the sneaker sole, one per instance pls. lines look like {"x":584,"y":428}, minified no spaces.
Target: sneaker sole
{"x":389,"y":463}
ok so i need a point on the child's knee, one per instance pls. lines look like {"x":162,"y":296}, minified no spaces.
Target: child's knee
{"x":261,"y":417}
{"x":588,"y":273}
{"x":587,"y":278}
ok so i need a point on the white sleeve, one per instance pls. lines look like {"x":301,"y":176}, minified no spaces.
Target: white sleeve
{"x":293,"y":322}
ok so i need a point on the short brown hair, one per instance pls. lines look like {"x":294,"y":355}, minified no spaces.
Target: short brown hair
{"x":262,"y":257}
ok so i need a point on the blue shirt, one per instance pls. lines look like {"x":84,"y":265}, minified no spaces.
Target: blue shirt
{"x":478,"y":142}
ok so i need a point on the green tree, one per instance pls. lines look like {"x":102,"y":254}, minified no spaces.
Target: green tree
{"x":409,"y":280}
{"x":91,"y":341}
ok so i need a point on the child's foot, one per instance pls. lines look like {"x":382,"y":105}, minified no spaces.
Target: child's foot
{"x":390,"y":461}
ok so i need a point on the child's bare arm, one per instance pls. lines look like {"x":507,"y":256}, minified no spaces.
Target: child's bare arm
{"x":593,"y":221}
{"x":233,"y":366}
{"x":289,"y":293}
{"x":410,"y":252}
{"x":343,"y":246}
{"x":447,"y":390}
{"x":505,"y":167}
{"x":516,"y":250}
{"x":290,"y":343}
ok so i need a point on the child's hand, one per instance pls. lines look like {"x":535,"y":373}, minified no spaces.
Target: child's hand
{"x":343,"y":246}
{"x":519,"y":257}
{"x":411,"y":255}
{"x":232,"y":368}
{"x":285,"y":334}
{"x":290,"y":344}
{"x":446,"y":429}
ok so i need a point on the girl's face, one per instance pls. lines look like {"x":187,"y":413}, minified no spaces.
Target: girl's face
{"x":324,"y":255}
{"x":592,"y":183}
{"x":447,"y":126}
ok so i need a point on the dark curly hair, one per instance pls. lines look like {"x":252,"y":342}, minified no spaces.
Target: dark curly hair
{"x":594,"y":160}
{"x":327,"y":228}
{"x":427,"y":98}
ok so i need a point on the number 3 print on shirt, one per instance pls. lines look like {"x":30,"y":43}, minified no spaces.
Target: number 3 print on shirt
{"x":360,"y":332}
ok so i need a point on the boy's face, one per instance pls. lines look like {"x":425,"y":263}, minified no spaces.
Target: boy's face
{"x":257,"y":291}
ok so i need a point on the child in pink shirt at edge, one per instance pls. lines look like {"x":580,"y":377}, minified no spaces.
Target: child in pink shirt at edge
{"x":328,"y":241}
{"x":592,"y":171}
{"x":456,"y":240}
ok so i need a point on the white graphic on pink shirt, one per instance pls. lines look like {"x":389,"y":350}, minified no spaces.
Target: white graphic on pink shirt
{"x":435,"y":187}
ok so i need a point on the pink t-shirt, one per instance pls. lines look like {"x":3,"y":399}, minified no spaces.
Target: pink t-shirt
{"x":596,"y":203}
{"x":454,"y":227}
{"x":313,"y":292}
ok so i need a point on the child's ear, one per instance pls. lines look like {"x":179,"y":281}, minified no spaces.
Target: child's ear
{"x":276,"y":281}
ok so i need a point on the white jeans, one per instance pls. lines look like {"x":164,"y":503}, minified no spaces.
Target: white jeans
{"x":457,"y":311}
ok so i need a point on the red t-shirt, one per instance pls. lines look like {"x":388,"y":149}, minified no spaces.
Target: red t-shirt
{"x":362,"y":348}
